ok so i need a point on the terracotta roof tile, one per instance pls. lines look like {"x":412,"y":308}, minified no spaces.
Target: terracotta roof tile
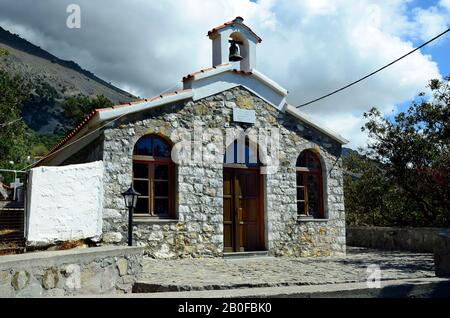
{"x":190,"y":76}
{"x":220,"y":27}
{"x":73,"y":132}
{"x":242,"y":72}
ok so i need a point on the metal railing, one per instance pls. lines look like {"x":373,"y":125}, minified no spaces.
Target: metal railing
{"x":16,"y":182}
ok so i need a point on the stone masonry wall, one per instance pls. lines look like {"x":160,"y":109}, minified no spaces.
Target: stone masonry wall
{"x":414,"y":239}
{"x":198,"y":229}
{"x":442,"y":254}
{"x":91,"y":271}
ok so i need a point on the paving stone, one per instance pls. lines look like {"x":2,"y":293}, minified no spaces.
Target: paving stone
{"x":215,"y":273}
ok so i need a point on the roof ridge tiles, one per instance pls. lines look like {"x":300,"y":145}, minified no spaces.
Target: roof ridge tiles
{"x":238,"y":20}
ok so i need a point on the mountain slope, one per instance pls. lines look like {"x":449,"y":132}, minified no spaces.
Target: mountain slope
{"x":52,"y":80}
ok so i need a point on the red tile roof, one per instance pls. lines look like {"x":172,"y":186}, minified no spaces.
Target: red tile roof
{"x":190,"y":76}
{"x":242,"y":72}
{"x":236,"y":20}
{"x":72,"y":133}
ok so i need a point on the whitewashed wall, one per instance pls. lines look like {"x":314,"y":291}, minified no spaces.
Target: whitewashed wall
{"x":65,"y":203}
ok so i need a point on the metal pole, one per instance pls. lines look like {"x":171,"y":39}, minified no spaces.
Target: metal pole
{"x":130,"y":226}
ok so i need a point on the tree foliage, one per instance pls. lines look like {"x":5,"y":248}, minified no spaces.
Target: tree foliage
{"x":76,"y":108}
{"x":371,"y":198}
{"x":405,"y":175}
{"x":14,"y":134}
{"x":19,"y":144}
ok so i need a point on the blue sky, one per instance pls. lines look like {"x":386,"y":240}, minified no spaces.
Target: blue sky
{"x":439,"y":51}
{"x":441,"y":54}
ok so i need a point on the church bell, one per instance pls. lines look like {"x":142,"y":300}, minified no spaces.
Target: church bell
{"x":234,"y":52}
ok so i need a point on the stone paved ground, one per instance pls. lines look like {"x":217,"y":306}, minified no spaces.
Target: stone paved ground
{"x":200,"y":274}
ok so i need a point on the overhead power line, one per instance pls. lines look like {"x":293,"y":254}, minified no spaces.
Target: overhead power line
{"x":373,"y":73}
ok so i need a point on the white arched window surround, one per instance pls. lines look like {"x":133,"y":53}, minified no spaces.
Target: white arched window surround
{"x":244,"y":49}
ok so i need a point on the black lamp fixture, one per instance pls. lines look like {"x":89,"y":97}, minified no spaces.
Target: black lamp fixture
{"x":130,"y":196}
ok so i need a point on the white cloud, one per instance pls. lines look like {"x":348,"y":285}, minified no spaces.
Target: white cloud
{"x":445,"y":4}
{"x":310,"y":47}
{"x":431,"y":22}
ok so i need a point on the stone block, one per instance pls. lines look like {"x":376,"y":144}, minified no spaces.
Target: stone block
{"x":90,"y":281}
{"x":20,"y":280}
{"x":50,"y":278}
{"x":6,"y":288}
{"x":442,"y":256}
{"x":32,"y":289}
{"x":109,"y":276}
{"x":112,"y":237}
{"x":122,"y":266}
{"x":72,"y":274}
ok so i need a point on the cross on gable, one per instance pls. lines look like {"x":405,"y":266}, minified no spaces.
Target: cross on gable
{"x":15,"y":185}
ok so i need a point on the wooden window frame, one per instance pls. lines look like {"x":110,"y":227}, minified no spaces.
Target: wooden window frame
{"x":151,"y":162}
{"x":305,"y":173}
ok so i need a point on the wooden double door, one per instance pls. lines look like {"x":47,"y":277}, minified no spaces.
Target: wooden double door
{"x":243,"y":212}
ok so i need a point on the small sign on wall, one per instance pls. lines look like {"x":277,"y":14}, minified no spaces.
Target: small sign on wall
{"x":244,"y":115}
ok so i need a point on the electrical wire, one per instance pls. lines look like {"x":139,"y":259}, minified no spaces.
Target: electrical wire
{"x":375,"y":72}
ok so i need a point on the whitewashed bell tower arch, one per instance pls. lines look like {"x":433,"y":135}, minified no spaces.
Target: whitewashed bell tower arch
{"x":234,"y":64}
{"x":246,"y":39}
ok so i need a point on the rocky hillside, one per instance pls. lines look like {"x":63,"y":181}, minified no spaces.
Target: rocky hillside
{"x":52,"y":80}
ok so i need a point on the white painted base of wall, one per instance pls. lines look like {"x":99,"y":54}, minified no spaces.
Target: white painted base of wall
{"x":65,"y":203}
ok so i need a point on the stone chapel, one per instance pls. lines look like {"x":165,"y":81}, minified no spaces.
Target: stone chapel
{"x":223,"y":166}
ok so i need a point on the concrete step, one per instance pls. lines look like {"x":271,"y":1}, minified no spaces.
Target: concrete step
{"x":433,"y":287}
{"x":239,"y":255}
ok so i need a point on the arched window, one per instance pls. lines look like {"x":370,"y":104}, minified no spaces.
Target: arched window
{"x":309,"y":185}
{"x":153,"y":177}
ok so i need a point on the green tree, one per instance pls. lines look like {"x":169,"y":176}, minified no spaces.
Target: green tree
{"x":14,"y":133}
{"x":414,"y":149}
{"x":3,"y":52}
{"x":78,"y":107}
{"x":371,"y":198}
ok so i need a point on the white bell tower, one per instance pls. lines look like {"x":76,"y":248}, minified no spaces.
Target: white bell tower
{"x":234,"y":33}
